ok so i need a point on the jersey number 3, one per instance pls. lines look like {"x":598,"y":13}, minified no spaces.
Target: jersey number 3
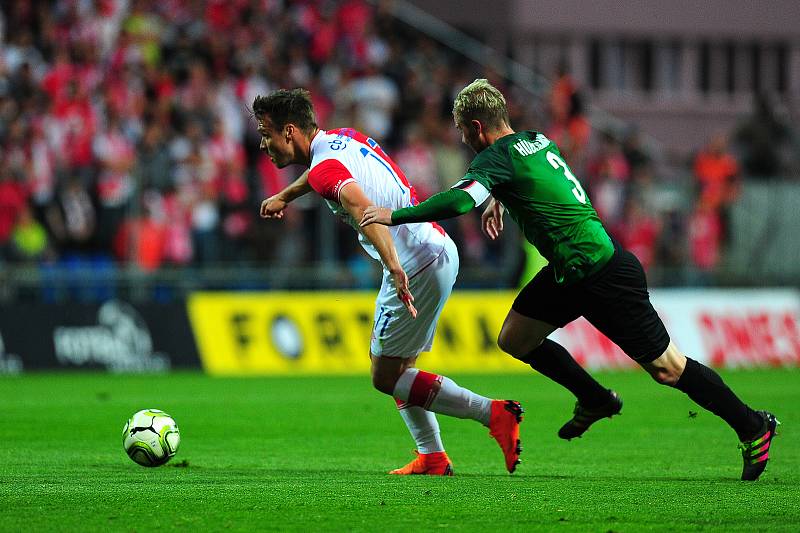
{"x":577,"y":190}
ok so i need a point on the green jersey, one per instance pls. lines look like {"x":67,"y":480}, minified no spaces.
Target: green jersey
{"x":526,"y":173}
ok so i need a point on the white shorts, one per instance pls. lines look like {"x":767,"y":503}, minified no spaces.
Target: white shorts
{"x":394,"y":332}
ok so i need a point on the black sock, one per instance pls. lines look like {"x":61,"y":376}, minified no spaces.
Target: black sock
{"x":707,"y":389}
{"x":554,"y":361}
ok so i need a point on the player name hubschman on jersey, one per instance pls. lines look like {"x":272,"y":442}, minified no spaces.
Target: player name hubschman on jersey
{"x":525,"y":147}
{"x":342,"y":156}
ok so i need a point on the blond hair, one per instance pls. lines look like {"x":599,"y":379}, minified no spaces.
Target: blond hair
{"x":483,"y":102}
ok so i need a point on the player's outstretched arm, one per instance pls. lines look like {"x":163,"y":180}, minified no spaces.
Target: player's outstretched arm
{"x":273,"y":206}
{"x":446,"y":204}
{"x":356,"y":203}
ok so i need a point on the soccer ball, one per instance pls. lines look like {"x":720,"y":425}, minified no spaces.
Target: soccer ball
{"x":151,"y":437}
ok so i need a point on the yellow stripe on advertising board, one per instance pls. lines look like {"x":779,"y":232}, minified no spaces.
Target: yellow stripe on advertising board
{"x":280,"y":333}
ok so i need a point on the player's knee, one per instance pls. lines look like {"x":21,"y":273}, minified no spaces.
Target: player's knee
{"x":516,"y":346}
{"x":384,"y":383}
{"x":506,"y":344}
{"x":509,"y":343}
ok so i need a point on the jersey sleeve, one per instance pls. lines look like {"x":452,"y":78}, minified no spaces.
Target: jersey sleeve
{"x":328,"y":178}
{"x":475,"y":189}
{"x":446,"y":204}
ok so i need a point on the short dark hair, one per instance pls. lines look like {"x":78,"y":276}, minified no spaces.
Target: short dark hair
{"x":286,"y":106}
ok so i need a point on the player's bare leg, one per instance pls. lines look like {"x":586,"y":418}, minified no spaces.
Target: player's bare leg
{"x":424,"y":428}
{"x":526,"y":339}
{"x":422,"y":424}
{"x":414,"y":388}
{"x":705,"y":387}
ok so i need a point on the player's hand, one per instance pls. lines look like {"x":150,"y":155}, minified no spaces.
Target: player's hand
{"x":401,"y":284}
{"x":376,"y":215}
{"x":492,"y":219}
{"x":272,"y":207}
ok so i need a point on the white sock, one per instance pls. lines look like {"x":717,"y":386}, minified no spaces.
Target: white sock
{"x":423,"y":427}
{"x":418,"y":387}
{"x":457,"y":401}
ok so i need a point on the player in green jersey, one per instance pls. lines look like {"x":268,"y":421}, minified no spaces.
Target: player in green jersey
{"x":589,"y":274}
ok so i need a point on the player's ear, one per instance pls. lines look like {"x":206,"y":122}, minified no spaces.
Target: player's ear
{"x":476,"y":126}
{"x":288,"y":131}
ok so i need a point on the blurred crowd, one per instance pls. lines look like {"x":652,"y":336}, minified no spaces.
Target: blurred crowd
{"x":127,"y":138}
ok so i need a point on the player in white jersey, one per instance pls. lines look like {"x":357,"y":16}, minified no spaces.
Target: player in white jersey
{"x":351,"y":172}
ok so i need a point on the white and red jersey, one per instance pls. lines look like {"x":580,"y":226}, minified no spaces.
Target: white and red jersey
{"x":343,"y":156}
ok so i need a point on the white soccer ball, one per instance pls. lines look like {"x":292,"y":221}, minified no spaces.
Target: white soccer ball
{"x":151,"y":437}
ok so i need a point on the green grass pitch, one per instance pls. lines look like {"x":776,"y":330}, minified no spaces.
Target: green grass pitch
{"x":310,"y":454}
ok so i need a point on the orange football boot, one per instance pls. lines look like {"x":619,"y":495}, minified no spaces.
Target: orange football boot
{"x":431,"y":464}
{"x":504,"y":428}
